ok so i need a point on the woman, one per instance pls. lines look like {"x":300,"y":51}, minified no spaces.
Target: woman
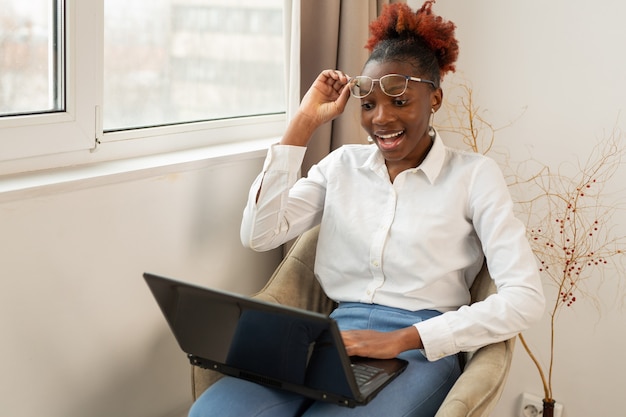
{"x":406,"y":224}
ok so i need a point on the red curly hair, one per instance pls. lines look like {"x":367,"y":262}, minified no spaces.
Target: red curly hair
{"x":421,"y":36}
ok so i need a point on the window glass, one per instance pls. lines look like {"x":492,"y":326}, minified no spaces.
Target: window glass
{"x":176,"y":61}
{"x":31,"y":56}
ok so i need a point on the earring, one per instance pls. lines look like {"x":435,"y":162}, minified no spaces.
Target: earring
{"x":370,"y":140}
{"x":431,"y":129}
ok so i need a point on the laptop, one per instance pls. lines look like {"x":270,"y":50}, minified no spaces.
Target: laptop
{"x":270,"y":344}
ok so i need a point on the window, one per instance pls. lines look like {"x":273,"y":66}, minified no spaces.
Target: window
{"x":176,"y":61}
{"x":78,"y":76}
{"x":31,"y":63}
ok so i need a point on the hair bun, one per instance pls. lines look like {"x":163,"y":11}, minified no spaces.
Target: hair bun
{"x":399,"y":22}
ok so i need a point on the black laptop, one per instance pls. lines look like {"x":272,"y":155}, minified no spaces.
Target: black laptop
{"x":270,"y":344}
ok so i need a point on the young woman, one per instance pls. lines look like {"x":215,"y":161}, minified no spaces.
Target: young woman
{"x":406,"y":224}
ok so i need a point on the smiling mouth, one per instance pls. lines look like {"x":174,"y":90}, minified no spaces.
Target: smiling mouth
{"x":390,"y":141}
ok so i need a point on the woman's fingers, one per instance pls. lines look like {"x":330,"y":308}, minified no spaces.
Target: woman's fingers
{"x":336,"y":79}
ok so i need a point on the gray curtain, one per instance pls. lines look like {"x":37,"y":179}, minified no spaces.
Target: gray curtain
{"x":333,"y":35}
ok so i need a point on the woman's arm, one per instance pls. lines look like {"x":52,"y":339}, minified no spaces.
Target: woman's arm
{"x":276,"y":212}
{"x":519,"y":301}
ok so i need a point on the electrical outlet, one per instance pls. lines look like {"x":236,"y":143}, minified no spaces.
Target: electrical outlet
{"x":532,"y":406}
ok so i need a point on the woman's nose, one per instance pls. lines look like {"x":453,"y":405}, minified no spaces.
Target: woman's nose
{"x":383,"y":113}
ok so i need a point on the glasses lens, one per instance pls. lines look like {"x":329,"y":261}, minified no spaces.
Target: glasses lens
{"x":393,"y":85}
{"x":361,"y":86}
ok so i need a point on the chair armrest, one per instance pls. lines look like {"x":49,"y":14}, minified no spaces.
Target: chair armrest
{"x":477,"y":390}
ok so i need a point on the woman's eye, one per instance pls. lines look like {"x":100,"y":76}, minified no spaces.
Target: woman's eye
{"x":399,"y":102}
{"x":367,"y":106}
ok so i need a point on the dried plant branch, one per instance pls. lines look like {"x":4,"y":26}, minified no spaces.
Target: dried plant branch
{"x":465,"y":118}
{"x":571,"y":233}
{"x":546,"y":391}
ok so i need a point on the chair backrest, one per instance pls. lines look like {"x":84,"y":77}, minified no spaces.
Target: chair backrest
{"x":293,"y":283}
{"x":483,"y":285}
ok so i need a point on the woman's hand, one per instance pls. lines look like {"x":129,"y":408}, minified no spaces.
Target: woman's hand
{"x":326,"y":99}
{"x":381,"y":345}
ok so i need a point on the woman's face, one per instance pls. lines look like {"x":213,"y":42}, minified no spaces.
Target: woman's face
{"x":399,"y":125}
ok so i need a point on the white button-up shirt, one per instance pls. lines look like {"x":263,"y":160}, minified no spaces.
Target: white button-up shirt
{"x":416,"y":243}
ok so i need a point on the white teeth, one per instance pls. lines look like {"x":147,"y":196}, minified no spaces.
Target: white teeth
{"x":390,"y":136}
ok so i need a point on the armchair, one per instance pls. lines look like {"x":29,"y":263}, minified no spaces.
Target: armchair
{"x":293,"y":283}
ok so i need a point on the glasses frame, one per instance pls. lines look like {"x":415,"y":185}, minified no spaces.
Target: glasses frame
{"x":407,"y":78}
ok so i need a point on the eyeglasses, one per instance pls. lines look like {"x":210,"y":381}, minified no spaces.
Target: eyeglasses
{"x":393,"y":85}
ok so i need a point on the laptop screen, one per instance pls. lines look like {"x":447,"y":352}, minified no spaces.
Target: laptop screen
{"x":289,"y":346}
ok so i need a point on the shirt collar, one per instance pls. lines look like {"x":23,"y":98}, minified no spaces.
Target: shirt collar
{"x":431,"y":166}
{"x":433,"y":163}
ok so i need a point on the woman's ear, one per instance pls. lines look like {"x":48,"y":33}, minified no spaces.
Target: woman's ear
{"x":436,"y":98}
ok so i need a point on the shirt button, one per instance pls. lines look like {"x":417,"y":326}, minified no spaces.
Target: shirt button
{"x":369,"y":292}
{"x":375,"y":263}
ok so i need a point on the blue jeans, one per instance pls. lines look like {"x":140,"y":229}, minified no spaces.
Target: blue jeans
{"x":417,"y":392}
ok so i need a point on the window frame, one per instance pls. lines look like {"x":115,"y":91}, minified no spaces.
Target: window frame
{"x":63,"y":131}
{"x":75,"y":136}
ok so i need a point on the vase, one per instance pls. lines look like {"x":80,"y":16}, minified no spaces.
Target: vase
{"x":548,"y":408}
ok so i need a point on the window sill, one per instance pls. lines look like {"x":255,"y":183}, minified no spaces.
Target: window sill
{"x":54,"y":181}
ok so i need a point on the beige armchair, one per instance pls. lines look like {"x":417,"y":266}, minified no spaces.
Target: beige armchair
{"x":293,"y":283}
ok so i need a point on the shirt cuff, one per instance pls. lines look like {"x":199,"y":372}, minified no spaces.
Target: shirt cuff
{"x":437,"y":338}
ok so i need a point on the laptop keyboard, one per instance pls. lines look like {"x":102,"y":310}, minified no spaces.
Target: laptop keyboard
{"x":365,"y":373}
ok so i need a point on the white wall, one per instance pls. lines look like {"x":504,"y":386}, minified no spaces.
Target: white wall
{"x":564,"y":63}
{"x":81,"y":334}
